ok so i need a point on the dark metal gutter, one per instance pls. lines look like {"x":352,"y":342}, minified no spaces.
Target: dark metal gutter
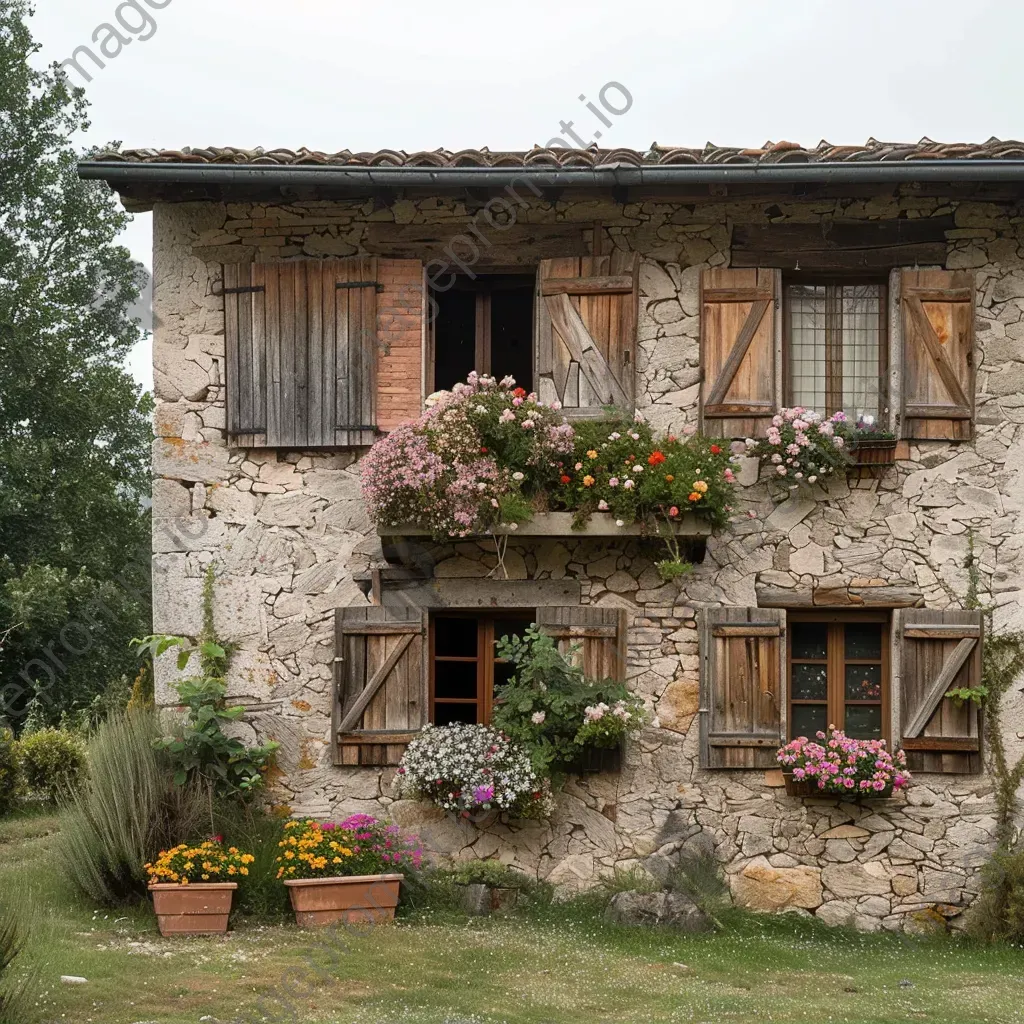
{"x":119,"y":173}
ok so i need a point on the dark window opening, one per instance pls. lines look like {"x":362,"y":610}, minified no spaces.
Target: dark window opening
{"x":484,"y":324}
{"x":839,"y":675}
{"x":835,"y":347}
{"x":466,"y":675}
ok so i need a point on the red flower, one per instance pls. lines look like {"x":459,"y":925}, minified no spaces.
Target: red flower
{"x":519,"y":393}
{"x":566,"y":479}
{"x":715,"y":450}
{"x":656,"y":458}
{"x":483,"y":451}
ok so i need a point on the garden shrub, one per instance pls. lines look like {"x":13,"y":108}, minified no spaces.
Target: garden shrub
{"x":11,"y":779}
{"x":54,"y":763}
{"x":12,"y":943}
{"x":998,"y":914}
{"x":250,"y":829}
{"x":492,"y":873}
{"x":128,"y":811}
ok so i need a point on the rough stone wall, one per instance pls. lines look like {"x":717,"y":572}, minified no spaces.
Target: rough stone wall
{"x":288,"y":531}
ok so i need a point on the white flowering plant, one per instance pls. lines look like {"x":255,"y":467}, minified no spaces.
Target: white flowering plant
{"x":801,"y":448}
{"x":472,"y":769}
{"x":550,"y":708}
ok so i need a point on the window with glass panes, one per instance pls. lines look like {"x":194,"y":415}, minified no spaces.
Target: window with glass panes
{"x":835,"y":347}
{"x":466,"y":674}
{"x":839,"y":675}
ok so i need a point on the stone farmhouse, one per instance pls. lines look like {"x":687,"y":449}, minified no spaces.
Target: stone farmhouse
{"x":308,"y":302}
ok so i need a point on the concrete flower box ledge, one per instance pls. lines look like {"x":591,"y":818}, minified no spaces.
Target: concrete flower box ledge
{"x":406,"y":544}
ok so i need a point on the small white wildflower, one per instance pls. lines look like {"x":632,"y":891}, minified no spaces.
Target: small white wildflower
{"x":619,"y":522}
{"x":517,"y":476}
{"x":538,"y":717}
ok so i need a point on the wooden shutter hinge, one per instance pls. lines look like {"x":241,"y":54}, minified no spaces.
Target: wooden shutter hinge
{"x":376,"y":285}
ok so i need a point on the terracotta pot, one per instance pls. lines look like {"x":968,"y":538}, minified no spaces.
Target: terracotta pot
{"x":199,"y":908}
{"x":360,"y":899}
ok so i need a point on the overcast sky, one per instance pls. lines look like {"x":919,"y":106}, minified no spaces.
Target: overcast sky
{"x":331,"y":74}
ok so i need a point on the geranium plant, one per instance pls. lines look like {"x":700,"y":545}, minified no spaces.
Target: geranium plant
{"x":470,"y":769}
{"x":551,"y":709}
{"x":801,"y":448}
{"x":487,"y":453}
{"x":359,"y":845}
{"x":205,"y":862}
{"x":835,"y":764}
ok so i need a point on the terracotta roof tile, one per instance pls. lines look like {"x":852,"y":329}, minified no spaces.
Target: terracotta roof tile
{"x":770,"y":152}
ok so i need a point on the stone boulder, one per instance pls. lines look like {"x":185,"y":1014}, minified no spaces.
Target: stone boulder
{"x":668,"y":909}
{"x":759,"y":886}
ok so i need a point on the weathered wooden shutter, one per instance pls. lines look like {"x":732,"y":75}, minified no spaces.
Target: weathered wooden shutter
{"x":598,"y":634}
{"x":245,"y":356}
{"x":586,"y":313}
{"x":939,"y":651}
{"x":738,"y":351}
{"x":938,"y":354}
{"x":743,"y":658}
{"x":380,"y":699}
{"x":302,"y":352}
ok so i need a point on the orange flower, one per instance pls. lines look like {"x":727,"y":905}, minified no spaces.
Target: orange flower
{"x":588,"y":481}
{"x":591,"y":454}
{"x":694,"y":496}
{"x":565,"y":479}
{"x":669,"y":478}
{"x":656,"y":458}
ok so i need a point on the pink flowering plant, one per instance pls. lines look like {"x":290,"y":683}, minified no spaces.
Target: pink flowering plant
{"x":838,"y":765}
{"x":801,"y":448}
{"x":481,"y":454}
{"x":472,"y":769}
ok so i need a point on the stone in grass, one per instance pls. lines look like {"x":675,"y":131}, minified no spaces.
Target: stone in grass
{"x":71,"y":979}
{"x":670,"y":909}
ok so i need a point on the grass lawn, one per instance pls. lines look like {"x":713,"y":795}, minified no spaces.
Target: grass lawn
{"x":555,"y":964}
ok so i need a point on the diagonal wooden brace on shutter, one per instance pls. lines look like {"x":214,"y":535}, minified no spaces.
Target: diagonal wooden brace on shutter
{"x":942,"y":683}
{"x":758,"y":308}
{"x":567,"y":321}
{"x":960,"y":405}
{"x":349,"y":722}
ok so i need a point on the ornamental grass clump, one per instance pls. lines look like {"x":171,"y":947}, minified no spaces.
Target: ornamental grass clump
{"x":208,"y":861}
{"x":481,"y":454}
{"x":800,"y":448}
{"x":472,"y":769}
{"x":841,"y":765}
{"x":359,"y":845}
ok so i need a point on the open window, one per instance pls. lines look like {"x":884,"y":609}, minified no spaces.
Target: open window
{"x":466,"y":674}
{"x":484,"y":323}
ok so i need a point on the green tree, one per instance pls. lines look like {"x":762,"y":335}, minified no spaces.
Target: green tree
{"x":74,"y":428}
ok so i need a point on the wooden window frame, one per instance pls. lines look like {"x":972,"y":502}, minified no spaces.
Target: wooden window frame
{"x":836,"y":662}
{"x":834,"y":338}
{"x":482,"y":334}
{"x":485,"y":640}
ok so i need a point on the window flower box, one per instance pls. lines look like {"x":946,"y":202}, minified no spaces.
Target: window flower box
{"x":595,"y":761}
{"x":874,"y":452}
{"x":851,"y":769}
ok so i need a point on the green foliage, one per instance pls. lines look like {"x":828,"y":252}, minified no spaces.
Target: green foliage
{"x":492,"y":873}
{"x":127,"y":813}
{"x":54,"y":763}
{"x":699,"y":876}
{"x":962,"y":694}
{"x":552,"y":689}
{"x":261,"y":895}
{"x":670,"y":569}
{"x":11,"y":778}
{"x":652,"y":476}
{"x":74,"y":428}
{"x":633,"y":879}
{"x":13,"y":936}
{"x":998,"y":914}
{"x":199,"y":748}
